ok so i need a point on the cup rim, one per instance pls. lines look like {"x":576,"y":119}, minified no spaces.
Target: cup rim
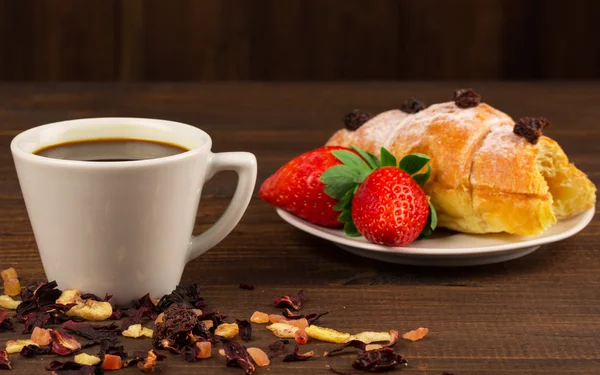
{"x":18,"y":151}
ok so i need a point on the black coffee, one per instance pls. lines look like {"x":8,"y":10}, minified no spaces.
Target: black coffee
{"x":105,"y":150}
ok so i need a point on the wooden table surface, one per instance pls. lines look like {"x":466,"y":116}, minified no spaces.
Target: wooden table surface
{"x":536,"y":315}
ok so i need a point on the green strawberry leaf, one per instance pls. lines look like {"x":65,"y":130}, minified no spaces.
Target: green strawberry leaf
{"x":345,"y":202}
{"x":422,"y":178}
{"x":387,"y":159}
{"x":413,"y":163}
{"x":350,"y":230}
{"x":431,"y":223}
{"x":338,"y":180}
{"x":345,"y":216}
{"x":352,"y":160}
{"x":370,"y":158}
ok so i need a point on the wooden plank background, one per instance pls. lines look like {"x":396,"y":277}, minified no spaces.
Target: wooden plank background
{"x":205,"y":40}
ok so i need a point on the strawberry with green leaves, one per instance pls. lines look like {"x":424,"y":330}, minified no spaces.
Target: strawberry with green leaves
{"x":296,"y":187}
{"x":379,"y":199}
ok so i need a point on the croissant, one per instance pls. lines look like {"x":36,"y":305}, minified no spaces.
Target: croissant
{"x":485,"y":178}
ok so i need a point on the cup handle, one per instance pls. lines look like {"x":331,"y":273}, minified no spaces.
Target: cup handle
{"x":244,"y":164}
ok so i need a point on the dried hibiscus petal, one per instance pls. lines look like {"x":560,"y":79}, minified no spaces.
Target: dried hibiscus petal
{"x":134,"y":316}
{"x":214,"y":317}
{"x":246,"y":286}
{"x":237,"y":355}
{"x":73,"y":368}
{"x":5,"y":322}
{"x":184,"y":295}
{"x":4,"y":361}
{"x":378,"y":360}
{"x":190,"y":352}
{"x":34,"y":319}
{"x":290,"y":302}
{"x":350,"y":344}
{"x":277,"y":348}
{"x":30,"y":351}
{"x":416,"y":334}
{"x":63,"y":343}
{"x":245,"y":329}
{"x":296,"y":356}
{"x":96,"y":333}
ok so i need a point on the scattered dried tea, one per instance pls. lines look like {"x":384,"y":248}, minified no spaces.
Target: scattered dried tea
{"x":227,"y":330}
{"x":283,"y":330}
{"x":190,"y":352}
{"x":259,"y":356}
{"x":177,"y":325}
{"x":326,"y":334}
{"x":86,"y":359}
{"x":4,"y":361}
{"x":277,"y":348}
{"x":41,"y":336}
{"x":276,"y":318}
{"x":135,"y":315}
{"x":5,"y":322}
{"x":148,"y":364}
{"x":8,"y":303}
{"x":378,"y":360}
{"x":31,"y":351}
{"x":246,"y":286}
{"x":95,"y":333}
{"x":63,"y":343}
{"x":311,"y":318}
{"x":214,"y":317}
{"x":94,"y":297}
{"x":296,"y":356}
{"x":245,"y":329}
{"x":350,"y":344}
{"x":416,"y":334}
{"x":290,"y":302}
{"x":183,"y":295}
{"x":237,"y":355}
{"x":72,"y":368}
{"x":15,"y":346}
{"x":259,"y":317}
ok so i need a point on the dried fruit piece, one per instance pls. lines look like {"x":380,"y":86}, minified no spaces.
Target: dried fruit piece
{"x":133,"y":331}
{"x":356,"y":118}
{"x":228,"y":330}
{"x":91,"y":310}
{"x":86,"y":359}
{"x":412,"y":105}
{"x":369,"y":337}
{"x":237,"y":355}
{"x":373,"y":347}
{"x":9,"y":273}
{"x":8,"y":303}
{"x":147,"y":332}
{"x":301,"y":337}
{"x":222,"y":352}
{"x":208,"y":323}
{"x":277,"y":348}
{"x":12,"y":287}
{"x":530,"y":128}
{"x":112,"y":362}
{"x":300,"y":323}
{"x":63,"y":343}
{"x":378,"y":360}
{"x":69,"y":296}
{"x":259,"y":317}
{"x":259,"y":356}
{"x":204,"y":349}
{"x":15,"y":346}
{"x":416,"y":334}
{"x":326,"y":334}
{"x":41,"y":336}
{"x":245,"y":329}
{"x":4,"y":361}
{"x":296,"y":356}
{"x":276,"y":318}
{"x":290,"y":302}
{"x":466,"y":98}
{"x":148,"y":364}
{"x":160,"y":318}
{"x":283,"y":330}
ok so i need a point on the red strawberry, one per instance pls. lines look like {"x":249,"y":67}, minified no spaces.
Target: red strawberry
{"x":296,"y":187}
{"x":390,"y":208}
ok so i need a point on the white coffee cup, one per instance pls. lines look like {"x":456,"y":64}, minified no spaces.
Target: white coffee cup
{"x":124,"y":228}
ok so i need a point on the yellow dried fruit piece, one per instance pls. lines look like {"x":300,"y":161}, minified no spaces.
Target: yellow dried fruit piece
{"x":373,"y":347}
{"x":369,"y":337}
{"x":283,"y":330}
{"x":326,"y":334}
{"x":222,"y":352}
{"x":208,"y":323}
{"x":9,"y":273}
{"x":416,"y":334}
{"x":12,"y":287}
{"x":8,"y":303}
{"x":134,"y":331}
{"x":15,"y":346}
{"x":259,"y":356}
{"x":147,"y":332}
{"x":228,"y":330}
{"x":160,"y":318}
{"x":259,"y":317}
{"x":91,"y":310}
{"x":69,"y":296}
{"x":86,"y":359}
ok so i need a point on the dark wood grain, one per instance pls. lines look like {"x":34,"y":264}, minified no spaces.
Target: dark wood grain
{"x":271,"y":40}
{"x":534,"y":315}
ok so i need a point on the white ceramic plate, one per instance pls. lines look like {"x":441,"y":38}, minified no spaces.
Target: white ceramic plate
{"x":448,"y":249}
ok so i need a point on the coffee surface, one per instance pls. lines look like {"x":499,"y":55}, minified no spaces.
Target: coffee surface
{"x":110,"y":150}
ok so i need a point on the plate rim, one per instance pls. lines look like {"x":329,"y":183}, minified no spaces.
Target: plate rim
{"x":585,"y":218}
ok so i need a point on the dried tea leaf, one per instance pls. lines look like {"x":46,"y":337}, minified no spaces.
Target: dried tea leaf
{"x":15,"y":346}
{"x":5,"y":322}
{"x":227,"y":330}
{"x":86,"y":359}
{"x":283,"y":330}
{"x":296,"y":356}
{"x":7,"y":302}
{"x":259,"y":317}
{"x":290,"y":302}
{"x":326,"y":334}
{"x":31,"y":351}
{"x":245,"y":329}
{"x":4,"y":361}
{"x":237,"y":355}
{"x":63,"y":343}
{"x":259,"y":356}
{"x":183,"y":295}
{"x":378,"y":360}
{"x":277,"y":348}
{"x":416,"y":334}
{"x":350,"y":344}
